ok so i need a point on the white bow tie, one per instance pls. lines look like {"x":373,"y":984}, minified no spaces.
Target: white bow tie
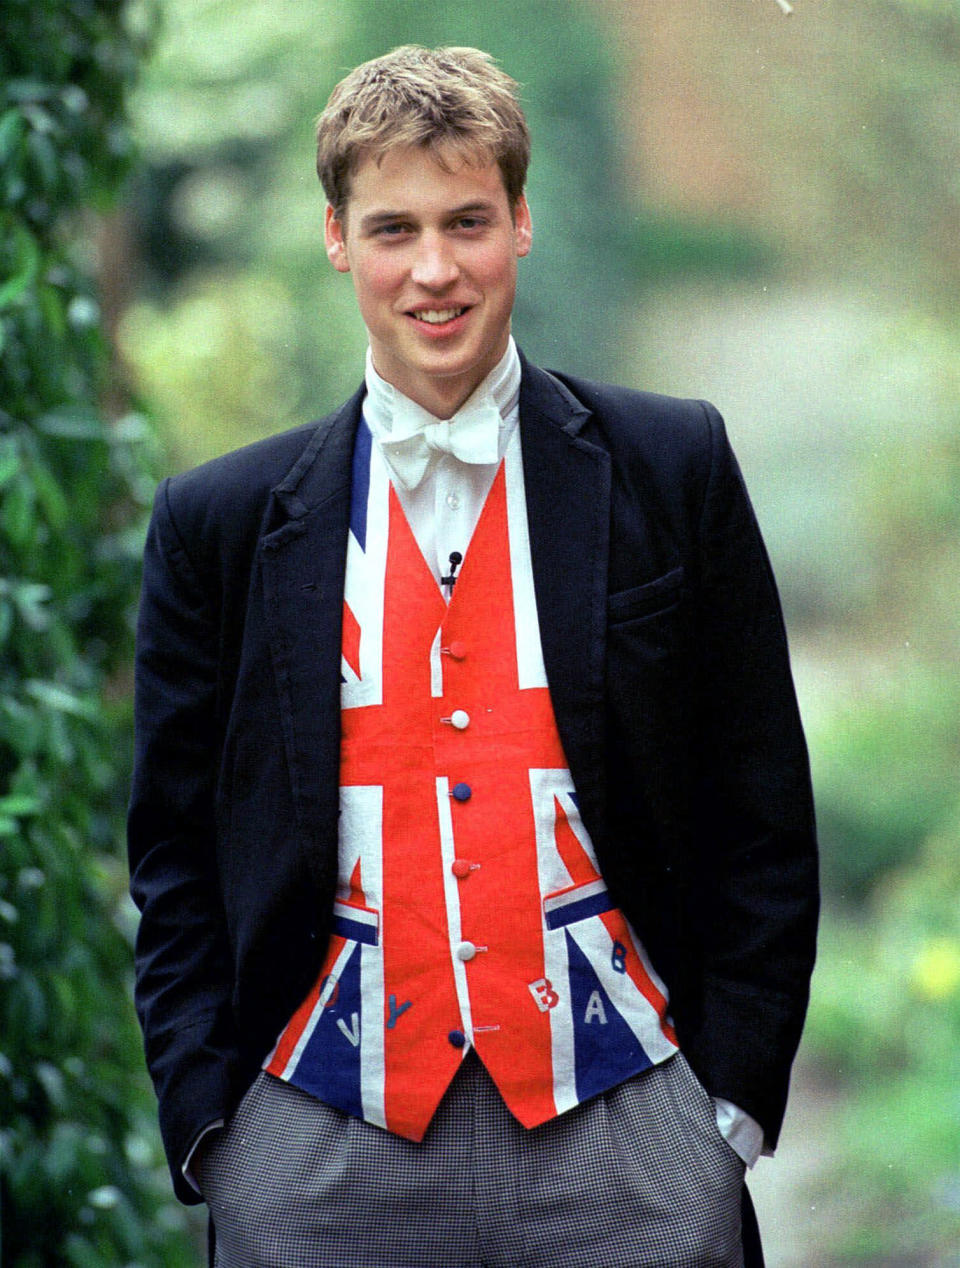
{"x":472,"y":435}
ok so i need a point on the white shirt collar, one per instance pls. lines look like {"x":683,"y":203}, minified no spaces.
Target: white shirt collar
{"x":384,"y":403}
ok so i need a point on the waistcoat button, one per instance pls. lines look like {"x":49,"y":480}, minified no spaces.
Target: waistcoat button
{"x":457,"y":1038}
{"x":462,"y":792}
{"x":460,"y":719}
{"x":461,"y":868}
{"x":457,"y":649}
{"x":466,"y":951}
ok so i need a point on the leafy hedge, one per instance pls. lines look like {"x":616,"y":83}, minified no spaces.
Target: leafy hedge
{"x":78,"y":1163}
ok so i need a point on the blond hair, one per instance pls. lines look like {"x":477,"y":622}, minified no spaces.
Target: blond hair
{"x":444,"y":100}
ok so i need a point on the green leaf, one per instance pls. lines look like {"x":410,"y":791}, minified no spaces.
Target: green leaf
{"x":19,"y":805}
{"x":26,"y":265}
{"x":6,"y":620}
{"x":60,"y":699}
{"x":27,"y":90}
{"x":9,"y":459}
{"x":8,"y":963}
{"x":20,"y":727}
{"x":40,"y":120}
{"x":51,"y":1080}
{"x":53,"y":310}
{"x":44,"y":153}
{"x":11,"y":133}
{"x":50,"y":496}
{"x":17,"y":517}
{"x":31,"y":598}
{"x":73,"y":423}
{"x":26,"y":782}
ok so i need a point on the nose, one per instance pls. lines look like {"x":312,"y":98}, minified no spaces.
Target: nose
{"x":434,"y":264}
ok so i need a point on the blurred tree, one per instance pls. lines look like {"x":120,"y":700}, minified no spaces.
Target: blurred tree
{"x":79,"y":1179}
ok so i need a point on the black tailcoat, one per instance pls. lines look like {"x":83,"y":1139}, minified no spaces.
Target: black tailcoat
{"x":667,"y":664}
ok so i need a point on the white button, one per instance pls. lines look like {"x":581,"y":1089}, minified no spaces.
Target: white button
{"x":466,"y":951}
{"x":453,"y":501}
{"x":460,"y":719}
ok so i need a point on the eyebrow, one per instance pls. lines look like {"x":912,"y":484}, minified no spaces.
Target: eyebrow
{"x":375,"y":218}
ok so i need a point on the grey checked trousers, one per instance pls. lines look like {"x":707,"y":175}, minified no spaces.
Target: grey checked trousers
{"x":637,"y":1176}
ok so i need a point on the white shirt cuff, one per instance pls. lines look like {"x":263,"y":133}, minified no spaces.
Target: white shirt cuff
{"x":742,"y":1133}
{"x":187,"y":1167}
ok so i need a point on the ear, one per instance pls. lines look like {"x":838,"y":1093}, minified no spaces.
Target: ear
{"x":523,"y":226}
{"x":335,"y":241}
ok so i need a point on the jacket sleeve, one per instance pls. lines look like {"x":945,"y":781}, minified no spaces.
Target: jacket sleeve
{"x":757,"y":882}
{"x":183,"y":970}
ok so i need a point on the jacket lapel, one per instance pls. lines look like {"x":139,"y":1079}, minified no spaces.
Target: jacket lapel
{"x":567,"y":483}
{"x":303,"y":561}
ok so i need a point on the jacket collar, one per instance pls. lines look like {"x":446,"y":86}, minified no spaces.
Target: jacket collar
{"x":545,"y":395}
{"x":323,"y":468}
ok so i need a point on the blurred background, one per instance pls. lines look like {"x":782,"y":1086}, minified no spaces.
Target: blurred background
{"x":729,"y":203}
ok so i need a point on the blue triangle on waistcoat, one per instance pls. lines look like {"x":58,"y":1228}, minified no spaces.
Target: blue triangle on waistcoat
{"x":329,"y":1066}
{"x":606,"y":1050}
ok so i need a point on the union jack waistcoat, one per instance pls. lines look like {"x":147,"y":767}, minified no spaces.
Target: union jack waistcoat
{"x":470,"y":909}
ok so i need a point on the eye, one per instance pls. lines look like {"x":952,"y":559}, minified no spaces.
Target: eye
{"x":470,"y":222}
{"x":392,"y":229}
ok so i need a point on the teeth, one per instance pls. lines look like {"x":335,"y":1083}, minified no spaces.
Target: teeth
{"x":435,"y":316}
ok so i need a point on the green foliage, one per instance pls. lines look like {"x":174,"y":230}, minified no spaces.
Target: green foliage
{"x":78,"y":1163}
{"x":885,"y":1016}
{"x":885,"y":1024}
{"x":888,"y":754}
{"x":887,"y":763}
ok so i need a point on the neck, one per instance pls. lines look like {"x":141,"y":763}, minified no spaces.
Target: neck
{"x":385,"y":398}
{"x":441,"y":395}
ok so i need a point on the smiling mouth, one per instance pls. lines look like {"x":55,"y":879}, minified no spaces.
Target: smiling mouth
{"x":437,"y":316}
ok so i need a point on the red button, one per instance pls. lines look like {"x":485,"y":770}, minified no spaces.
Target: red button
{"x":457,"y":649}
{"x":460,"y":868}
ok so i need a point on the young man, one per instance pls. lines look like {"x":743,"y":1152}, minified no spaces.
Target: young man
{"x":471,"y":822}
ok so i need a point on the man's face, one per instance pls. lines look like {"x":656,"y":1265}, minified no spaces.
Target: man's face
{"x":433,"y":255}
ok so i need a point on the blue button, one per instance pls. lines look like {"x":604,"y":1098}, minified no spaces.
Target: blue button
{"x":457,"y":1038}
{"x":462,"y":792}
